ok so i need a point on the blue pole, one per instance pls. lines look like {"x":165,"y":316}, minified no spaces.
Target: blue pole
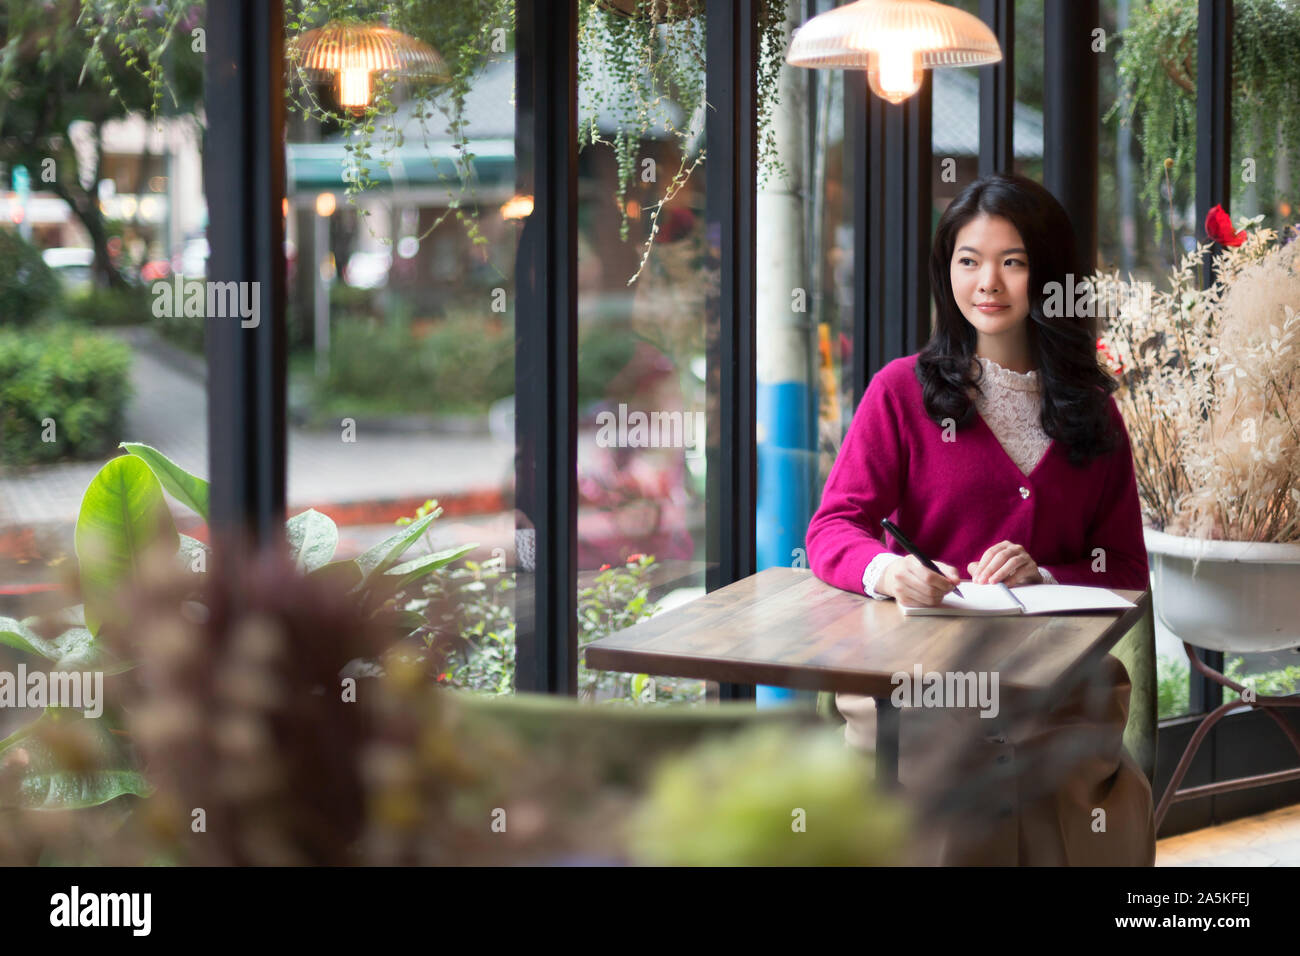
{"x":786,"y":391}
{"x":787,"y":475}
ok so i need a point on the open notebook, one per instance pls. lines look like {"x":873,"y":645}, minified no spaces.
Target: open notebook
{"x":998,"y":599}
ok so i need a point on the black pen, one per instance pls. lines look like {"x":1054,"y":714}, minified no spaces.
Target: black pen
{"x":915,"y":551}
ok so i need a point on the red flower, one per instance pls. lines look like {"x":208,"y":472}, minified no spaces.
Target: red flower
{"x":633,"y":558}
{"x":676,"y":224}
{"x":443,"y":677}
{"x":1218,"y":226}
{"x":604,"y":567}
{"x":1109,"y":357}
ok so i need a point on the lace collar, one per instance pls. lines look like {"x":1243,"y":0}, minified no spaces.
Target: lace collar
{"x":1005,"y":378}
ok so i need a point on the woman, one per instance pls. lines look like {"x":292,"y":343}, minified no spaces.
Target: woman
{"x":998,"y":450}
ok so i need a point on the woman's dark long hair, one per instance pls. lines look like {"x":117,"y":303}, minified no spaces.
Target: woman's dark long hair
{"x":1074,"y":386}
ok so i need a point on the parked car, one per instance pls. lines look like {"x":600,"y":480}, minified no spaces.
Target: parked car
{"x":74,"y":266}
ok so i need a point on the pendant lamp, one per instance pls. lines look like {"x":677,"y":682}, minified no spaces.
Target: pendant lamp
{"x":894,"y":41}
{"x":355,"y":51}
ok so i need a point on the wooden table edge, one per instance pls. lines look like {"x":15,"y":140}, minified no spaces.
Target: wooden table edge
{"x":691,"y":667}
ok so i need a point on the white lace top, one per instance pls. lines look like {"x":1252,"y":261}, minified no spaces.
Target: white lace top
{"x":1009,"y":405}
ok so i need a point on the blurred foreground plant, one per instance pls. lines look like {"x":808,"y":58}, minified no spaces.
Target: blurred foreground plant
{"x":123,"y":519}
{"x":745,"y":801}
{"x":261,"y":753}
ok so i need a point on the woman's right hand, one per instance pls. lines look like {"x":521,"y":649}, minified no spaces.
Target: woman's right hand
{"x":912,"y":583}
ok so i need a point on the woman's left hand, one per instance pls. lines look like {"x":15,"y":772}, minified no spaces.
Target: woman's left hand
{"x":1007,"y":563}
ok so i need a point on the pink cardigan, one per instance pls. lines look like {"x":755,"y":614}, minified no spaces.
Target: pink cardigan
{"x":955,"y":499}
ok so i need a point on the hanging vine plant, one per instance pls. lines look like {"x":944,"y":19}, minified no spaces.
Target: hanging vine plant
{"x":636,"y":54}
{"x":1157,"y":72}
{"x":468,"y":34}
{"x":642,"y":62}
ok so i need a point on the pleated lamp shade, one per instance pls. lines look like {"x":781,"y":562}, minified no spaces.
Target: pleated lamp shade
{"x":355,"y":51}
{"x":894,"y":41}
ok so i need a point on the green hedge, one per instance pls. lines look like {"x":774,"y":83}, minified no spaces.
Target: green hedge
{"x":27,"y":285}
{"x":110,"y":307}
{"x":183,"y":331}
{"x":461,"y":365}
{"x":76,"y":378}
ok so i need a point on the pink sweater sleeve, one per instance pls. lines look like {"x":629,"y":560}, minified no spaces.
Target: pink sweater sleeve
{"x":1116,"y":552}
{"x":864,"y":486}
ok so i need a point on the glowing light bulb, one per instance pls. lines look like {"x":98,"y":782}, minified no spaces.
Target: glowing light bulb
{"x":354,"y":88}
{"x":898,"y":74}
{"x":348,"y":53}
{"x":517,"y":207}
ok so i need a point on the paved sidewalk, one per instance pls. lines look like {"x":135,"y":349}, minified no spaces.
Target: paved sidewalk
{"x":169,"y":412}
{"x":363,"y":485}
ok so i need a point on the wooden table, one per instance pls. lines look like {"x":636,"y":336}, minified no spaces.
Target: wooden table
{"x":787,"y":628}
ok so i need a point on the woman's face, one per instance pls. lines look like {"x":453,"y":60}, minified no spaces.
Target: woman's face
{"x":990,"y":275}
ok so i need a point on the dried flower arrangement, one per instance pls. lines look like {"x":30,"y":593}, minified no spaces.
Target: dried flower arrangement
{"x":1210,"y":387}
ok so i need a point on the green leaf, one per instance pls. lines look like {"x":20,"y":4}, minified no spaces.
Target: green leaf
{"x":74,"y":650}
{"x":189,"y":490}
{"x":403,"y":623}
{"x":67,"y":790}
{"x":78,"y":650}
{"x":312,"y":539}
{"x":344,"y":575}
{"x":45,"y":785}
{"x":408,"y":571}
{"x":18,"y":634}
{"x":122,"y":515}
{"x":639,"y":682}
{"x":409,"y":619}
{"x":379,"y":558}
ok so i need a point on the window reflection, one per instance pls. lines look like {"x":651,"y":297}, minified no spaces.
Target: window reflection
{"x":402,"y":333}
{"x":641,"y":316}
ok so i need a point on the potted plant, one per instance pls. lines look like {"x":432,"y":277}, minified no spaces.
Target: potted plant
{"x":1210,"y":392}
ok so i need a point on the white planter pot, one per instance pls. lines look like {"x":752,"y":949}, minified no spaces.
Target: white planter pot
{"x":1242,"y":597}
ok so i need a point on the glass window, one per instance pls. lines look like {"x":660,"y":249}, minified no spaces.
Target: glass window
{"x":1153,"y":169}
{"x":641,"y":339}
{"x":831,"y":180}
{"x":403,"y":225}
{"x":102,"y":224}
{"x":1265,"y":178}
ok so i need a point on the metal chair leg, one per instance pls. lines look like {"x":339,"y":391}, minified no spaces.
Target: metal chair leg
{"x":1172,"y":794}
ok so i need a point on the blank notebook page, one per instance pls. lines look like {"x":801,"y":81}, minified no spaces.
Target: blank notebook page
{"x":979,"y":599}
{"x":1052,"y":598}
{"x":1037,"y":599}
